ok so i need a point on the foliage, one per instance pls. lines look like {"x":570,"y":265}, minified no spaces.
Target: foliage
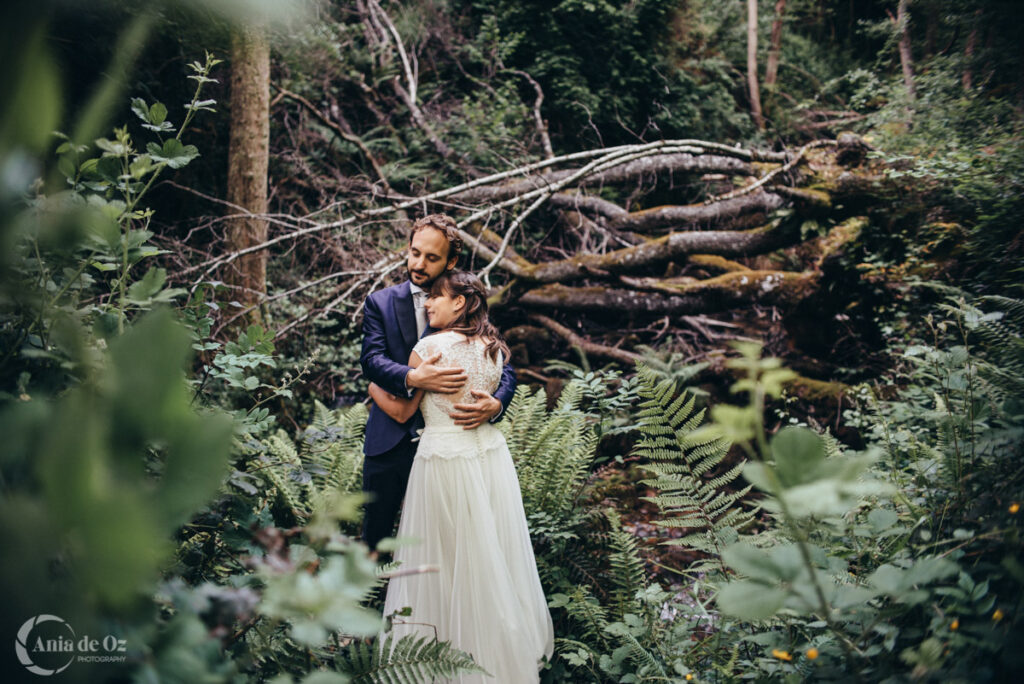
{"x":609,"y":64}
{"x":691,"y":496}
{"x":125,"y":460}
{"x":872,"y":609}
{"x":114,"y":451}
{"x":410,"y":659}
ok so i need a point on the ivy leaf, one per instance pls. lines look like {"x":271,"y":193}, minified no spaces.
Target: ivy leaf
{"x":173,"y":153}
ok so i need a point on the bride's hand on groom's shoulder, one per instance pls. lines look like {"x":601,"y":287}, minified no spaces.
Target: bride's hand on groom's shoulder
{"x":433,"y":378}
{"x":479,"y":412}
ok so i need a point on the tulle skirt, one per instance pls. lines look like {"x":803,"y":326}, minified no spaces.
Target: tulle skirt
{"x":482,"y":593}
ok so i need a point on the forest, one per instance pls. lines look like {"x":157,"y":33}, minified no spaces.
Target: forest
{"x":759,"y":264}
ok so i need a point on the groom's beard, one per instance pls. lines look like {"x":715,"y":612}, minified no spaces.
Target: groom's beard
{"x":425,"y":285}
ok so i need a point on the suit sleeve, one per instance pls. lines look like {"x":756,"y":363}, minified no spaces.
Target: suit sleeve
{"x":377,"y":366}
{"x":506,"y":390}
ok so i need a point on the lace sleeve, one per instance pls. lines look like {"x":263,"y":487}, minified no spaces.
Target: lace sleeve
{"x":426,"y":346}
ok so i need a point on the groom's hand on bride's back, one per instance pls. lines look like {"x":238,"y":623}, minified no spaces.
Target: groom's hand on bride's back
{"x":433,"y":378}
{"x":474,"y":415}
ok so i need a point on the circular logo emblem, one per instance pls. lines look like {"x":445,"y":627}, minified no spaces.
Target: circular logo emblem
{"x":45,"y":645}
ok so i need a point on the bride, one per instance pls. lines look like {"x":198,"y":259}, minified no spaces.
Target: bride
{"x":464,"y":509}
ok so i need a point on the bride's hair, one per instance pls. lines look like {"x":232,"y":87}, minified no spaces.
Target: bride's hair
{"x":472,"y":321}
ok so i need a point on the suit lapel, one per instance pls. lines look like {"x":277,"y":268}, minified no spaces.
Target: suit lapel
{"x":405,"y":314}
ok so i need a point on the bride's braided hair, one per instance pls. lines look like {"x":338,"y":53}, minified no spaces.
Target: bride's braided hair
{"x":472,"y":321}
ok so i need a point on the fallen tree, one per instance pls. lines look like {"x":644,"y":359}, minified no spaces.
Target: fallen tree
{"x":571,"y":241}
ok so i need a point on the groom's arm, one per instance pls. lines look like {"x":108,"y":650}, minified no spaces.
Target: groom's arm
{"x":377,"y":366}
{"x":506,"y":390}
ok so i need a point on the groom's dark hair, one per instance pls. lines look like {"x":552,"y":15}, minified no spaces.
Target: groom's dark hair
{"x":445,"y":224}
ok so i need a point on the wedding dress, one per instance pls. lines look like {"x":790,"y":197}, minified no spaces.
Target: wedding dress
{"x":464,"y":507}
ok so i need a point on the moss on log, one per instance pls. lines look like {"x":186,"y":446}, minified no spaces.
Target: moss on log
{"x":714,"y":294}
{"x":671,"y":246}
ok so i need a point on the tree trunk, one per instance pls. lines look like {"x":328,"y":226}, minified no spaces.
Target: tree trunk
{"x":755,"y":91}
{"x":906,"y":57}
{"x":772,"y":69}
{"x":972,"y":40}
{"x":248,"y":155}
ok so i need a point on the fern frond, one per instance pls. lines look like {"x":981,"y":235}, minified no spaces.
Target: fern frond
{"x":627,"y":567}
{"x":590,"y":615}
{"x":552,"y":450}
{"x":693,"y":494}
{"x":410,"y":660}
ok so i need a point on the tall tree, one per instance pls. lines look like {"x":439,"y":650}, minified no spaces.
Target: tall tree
{"x":972,"y":41}
{"x":772,"y":67}
{"x":755,"y":90}
{"x":906,"y":56}
{"x":248,"y":156}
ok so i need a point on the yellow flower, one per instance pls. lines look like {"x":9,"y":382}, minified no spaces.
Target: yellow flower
{"x":812,"y":653}
{"x":955,"y":625}
{"x":1014,"y":507}
{"x":782,"y":655}
{"x":689,"y":676}
{"x":998,"y":615}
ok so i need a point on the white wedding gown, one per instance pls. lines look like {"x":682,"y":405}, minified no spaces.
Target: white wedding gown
{"x":464,"y":507}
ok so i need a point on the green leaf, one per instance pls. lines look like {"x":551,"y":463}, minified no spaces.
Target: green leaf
{"x":109,"y":168}
{"x":140,"y":108}
{"x":748,"y":600}
{"x":325,"y":677}
{"x":110,"y":147}
{"x":142,"y":291}
{"x":881,"y":519}
{"x":780,"y":564}
{"x":66,"y":165}
{"x":798,"y":453}
{"x":173,"y":153}
{"x":157,"y":113}
{"x":141,"y":165}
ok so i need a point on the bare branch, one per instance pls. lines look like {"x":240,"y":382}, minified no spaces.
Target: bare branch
{"x":588,"y":347}
{"x":542,"y":126}
{"x":341,"y":132}
{"x":772,"y":174}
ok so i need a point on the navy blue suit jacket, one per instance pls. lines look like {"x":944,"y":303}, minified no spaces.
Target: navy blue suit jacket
{"x":389,"y":334}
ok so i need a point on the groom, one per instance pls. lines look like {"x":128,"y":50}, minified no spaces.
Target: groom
{"x":393,"y":321}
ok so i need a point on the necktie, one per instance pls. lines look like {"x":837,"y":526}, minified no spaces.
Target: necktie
{"x":421,"y":312}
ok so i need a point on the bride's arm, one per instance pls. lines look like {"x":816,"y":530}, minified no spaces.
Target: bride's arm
{"x":399,"y":409}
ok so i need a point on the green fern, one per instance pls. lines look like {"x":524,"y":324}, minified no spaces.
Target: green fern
{"x":691,"y":498}
{"x":328,"y":463}
{"x":627,"y":568}
{"x":646,"y":662}
{"x":1003,"y":342}
{"x":552,"y":451}
{"x":586,"y":611}
{"x":412,"y":659}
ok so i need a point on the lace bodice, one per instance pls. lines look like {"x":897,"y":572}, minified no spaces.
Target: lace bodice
{"x":471,"y":355}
